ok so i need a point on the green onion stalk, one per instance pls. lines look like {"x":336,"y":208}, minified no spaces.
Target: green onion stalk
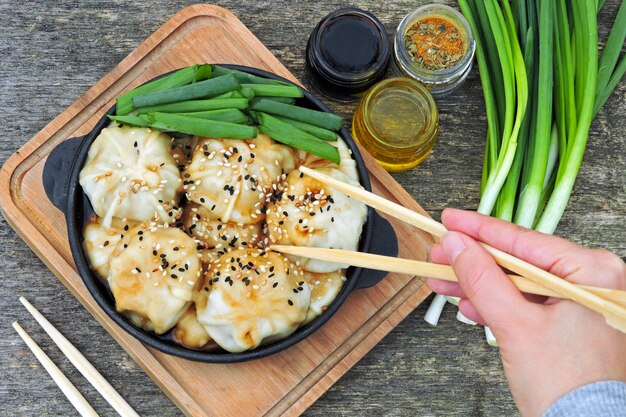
{"x":536,"y":139}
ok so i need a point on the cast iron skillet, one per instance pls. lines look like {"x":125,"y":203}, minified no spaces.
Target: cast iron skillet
{"x":60,"y":178}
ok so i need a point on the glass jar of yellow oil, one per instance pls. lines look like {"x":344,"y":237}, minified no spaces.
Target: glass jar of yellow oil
{"x":397,"y":122}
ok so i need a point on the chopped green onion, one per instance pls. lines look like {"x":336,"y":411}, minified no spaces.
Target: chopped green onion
{"x":292,"y":136}
{"x":284,"y":100}
{"x":224,"y":115}
{"x":318,"y":132}
{"x":246,"y":92}
{"x":193,"y":91}
{"x":197,"y":105}
{"x":318,"y":118}
{"x":244,"y":77}
{"x":179,"y":78}
{"x":200,"y":127}
{"x":230,"y":94}
{"x":275,"y":90}
{"x":136,"y":121}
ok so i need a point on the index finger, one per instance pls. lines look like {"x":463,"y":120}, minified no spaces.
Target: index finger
{"x":548,"y":252}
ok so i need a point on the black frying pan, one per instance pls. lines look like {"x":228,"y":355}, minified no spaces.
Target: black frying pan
{"x":60,"y":179}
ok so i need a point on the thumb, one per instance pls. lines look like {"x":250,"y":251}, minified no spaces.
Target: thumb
{"x":484,"y":283}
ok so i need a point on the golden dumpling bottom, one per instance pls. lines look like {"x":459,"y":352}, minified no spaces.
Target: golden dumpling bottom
{"x":252,"y":296}
{"x":153,"y":275}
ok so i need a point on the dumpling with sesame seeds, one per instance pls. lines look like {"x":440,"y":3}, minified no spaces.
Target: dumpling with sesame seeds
{"x":215,"y":237}
{"x":308,"y":213}
{"x":250,"y":297}
{"x":324,"y":289}
{"x":100,"y":242}
{"x":182,"y":148}
{"x":232,"y":178}
{"x":154,"y":275}
{"x":347,"y":164}
{"x":130,"y":173}
{"x":189,"y":331}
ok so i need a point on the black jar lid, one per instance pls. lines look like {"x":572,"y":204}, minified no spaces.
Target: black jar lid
{"x":347,"y":52}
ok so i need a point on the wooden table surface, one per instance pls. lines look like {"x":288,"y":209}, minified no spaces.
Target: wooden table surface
{"x":52,"y":51}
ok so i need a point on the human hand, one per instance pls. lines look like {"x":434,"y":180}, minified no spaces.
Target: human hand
{"x":548,"y":346}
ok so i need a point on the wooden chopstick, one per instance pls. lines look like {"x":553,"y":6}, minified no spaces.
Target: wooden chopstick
{"x":82,"y":364}
{"x":615,"y":315}
{"x":76,"y":398}
{"x":426,"y":269}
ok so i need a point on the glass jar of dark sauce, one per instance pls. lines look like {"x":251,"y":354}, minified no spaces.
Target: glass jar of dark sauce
{"x":347,"y":52}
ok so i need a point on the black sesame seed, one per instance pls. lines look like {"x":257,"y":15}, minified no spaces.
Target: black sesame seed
{"x":290,"y":302}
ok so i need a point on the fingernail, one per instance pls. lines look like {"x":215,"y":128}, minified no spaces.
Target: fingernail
{"x":452,"y":245}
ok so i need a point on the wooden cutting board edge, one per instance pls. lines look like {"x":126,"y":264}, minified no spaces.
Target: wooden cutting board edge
{"x":314,"y":384}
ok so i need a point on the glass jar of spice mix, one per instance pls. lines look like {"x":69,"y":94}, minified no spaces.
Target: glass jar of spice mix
{"x":347,"y":52}
{"x":435,"y":46}
{"x":397,"y":122}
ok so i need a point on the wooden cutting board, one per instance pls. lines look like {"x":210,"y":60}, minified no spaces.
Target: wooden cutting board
{"x":291,"y":380}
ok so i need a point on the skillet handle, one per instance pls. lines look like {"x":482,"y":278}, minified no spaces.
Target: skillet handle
{"x":56,"y":171}
{"x":384,"y":242}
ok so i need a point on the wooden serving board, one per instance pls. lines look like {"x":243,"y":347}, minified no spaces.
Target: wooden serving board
{"x":292,"y":379}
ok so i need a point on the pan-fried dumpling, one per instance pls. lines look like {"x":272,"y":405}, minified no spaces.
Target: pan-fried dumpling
{"x":232,"y":178}
{"x":347,"y":164}
{"x":309,"y":213}
{"x":153,"y":275}
{"x":250,"y":297}
{"x":181,"y":149}
{"x":324,"y":289}
{"x":216,"y":237}
{"x":189,"y":331}
{"x":100,"y":242}
{"x":130,"y":173}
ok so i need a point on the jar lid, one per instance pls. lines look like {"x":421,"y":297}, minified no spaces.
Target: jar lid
{"x":349,"y":47}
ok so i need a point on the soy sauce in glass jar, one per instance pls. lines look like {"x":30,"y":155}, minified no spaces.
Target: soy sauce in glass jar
{"x":347,"y":52}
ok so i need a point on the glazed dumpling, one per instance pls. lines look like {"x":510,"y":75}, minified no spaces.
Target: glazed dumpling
{"x":182,"y":148}
{"x":324,"y":289}
{"x":309,"y":213}
{"x":347,"y":164}
{"x":232,"y":178}
{"x":153,"y":275}
{"x":250,"y":297}
{"x":189,"y":331}
{"x":130,"y":173}
{"x":216,"y":237}
{"x":100,"y":242}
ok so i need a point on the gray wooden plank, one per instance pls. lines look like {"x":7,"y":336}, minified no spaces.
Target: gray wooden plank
{"x":53,"y":51}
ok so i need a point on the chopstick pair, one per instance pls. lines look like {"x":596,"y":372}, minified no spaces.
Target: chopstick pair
{"x":427,"y":269}
{"x":601,"y":300}
{"x":79,"y":361}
